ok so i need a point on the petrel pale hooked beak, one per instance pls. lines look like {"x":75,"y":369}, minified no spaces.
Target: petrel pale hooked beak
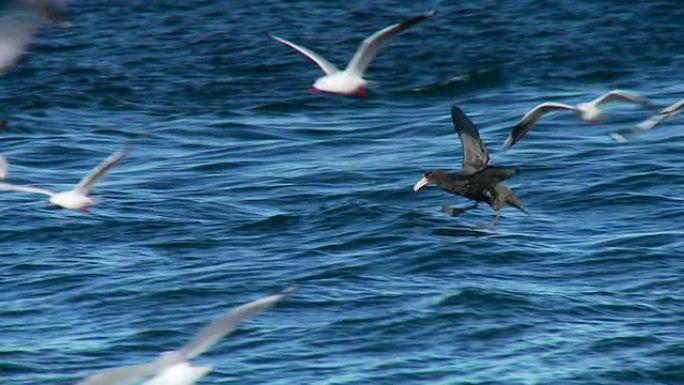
{"x":420,"y":184}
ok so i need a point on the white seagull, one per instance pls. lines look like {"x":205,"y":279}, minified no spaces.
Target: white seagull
{"x":172,"y":367}
{"x":666,"y":113}
{"x":351,"y":81}
{"x":19,"y":22}
{"x":589,"y":112}
{"x":76,"y":198}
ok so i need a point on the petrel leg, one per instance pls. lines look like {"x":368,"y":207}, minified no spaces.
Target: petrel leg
{"x":497,"y":209}
{"x":496,"y":219}
{"x":456,"y":211}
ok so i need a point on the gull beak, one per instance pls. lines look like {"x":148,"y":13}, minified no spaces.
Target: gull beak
{"x":420,"y":184}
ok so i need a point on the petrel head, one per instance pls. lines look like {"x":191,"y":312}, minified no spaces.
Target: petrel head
{"x":430,"y":176}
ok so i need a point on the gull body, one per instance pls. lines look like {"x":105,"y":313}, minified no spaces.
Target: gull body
{"x":589,"y":112}
{"x":478,"y":179}
{"x":665,"y":114}
{"x":341,"y":83}
{"x":183,"y":373}
{"x":350,"y":81}
{"x":76,"y":198}
{"x":173,"y":367}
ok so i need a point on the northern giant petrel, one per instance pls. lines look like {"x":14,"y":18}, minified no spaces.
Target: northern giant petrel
{"x":477,"y":180}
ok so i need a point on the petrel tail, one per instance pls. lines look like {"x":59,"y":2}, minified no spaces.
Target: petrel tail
{"x":514,"y":201}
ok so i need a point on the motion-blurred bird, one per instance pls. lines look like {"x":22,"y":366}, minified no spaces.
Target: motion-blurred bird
{"x":589,"y":112}
{"x":666,"y":113}
{"x":19,"y":22}
{"x":172,"y":367}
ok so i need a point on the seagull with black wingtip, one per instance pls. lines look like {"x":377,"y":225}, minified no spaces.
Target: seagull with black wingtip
{"x":477,"y":180}
{"x":589,"y":112}
{"x":350,"y":81}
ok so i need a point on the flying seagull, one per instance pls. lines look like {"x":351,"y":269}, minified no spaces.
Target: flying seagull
{"x":19,"y":22}
{"x":76,"y":198}
{"x":477,"y":179}
{"x":351,"y":81}
{"x":666,"y":113}
{"x":173,"y":367}
{"x":589,"y":112}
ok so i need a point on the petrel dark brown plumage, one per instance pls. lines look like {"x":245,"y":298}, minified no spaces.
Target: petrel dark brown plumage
{"x":477,"y":179}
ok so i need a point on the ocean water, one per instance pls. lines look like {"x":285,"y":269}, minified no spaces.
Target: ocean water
{"x":240,"y":183}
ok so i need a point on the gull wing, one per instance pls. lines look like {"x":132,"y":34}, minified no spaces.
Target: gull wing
{"x":98,"y":172}
{"x":664,"y":114}
{"x":31,"y":189}
{"x":319,"y":60}
{"x":530,"y":118}
{"x":673,"y":108}
{"x":123,"y":375}
{"x":475,"y":155}
{"x":19,"y":22}
{"x":370,"y":46}
{"x":620,"y":95}
{"x":217,"y":329}
{"x":225,"y":324}
{"x":3,"y":167}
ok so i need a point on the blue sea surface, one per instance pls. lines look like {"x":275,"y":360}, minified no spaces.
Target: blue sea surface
{"x":241,"y":183}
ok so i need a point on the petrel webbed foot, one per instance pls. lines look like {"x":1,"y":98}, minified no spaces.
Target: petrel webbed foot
{"x":456,"y":211}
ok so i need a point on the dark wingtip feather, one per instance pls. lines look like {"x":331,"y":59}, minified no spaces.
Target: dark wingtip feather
{"x":415,"y":20}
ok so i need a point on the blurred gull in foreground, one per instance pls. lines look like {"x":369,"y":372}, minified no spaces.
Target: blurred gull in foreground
{"x":351,"y":81}
{"x":3,"y":167}
{"x":589,"y":112}
{"x":19,"y":22}
{"x":76,"y":198}
{"x":173,"y":368}
{"x":662,"y":115}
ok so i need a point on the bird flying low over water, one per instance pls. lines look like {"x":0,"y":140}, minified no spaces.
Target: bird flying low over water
{"x":19,"y":22}
{"x":351,"y":81}
{"x":589,"y":112}
{"x":76,"y":198}
{"x":172,"y":367}
{"x":477,"y":180}
{"x":666,"y":113}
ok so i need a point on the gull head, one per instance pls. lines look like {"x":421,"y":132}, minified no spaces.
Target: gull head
{"x":340,"y":83}
{"x":589,"y":112}
{"x":72,"y":200}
